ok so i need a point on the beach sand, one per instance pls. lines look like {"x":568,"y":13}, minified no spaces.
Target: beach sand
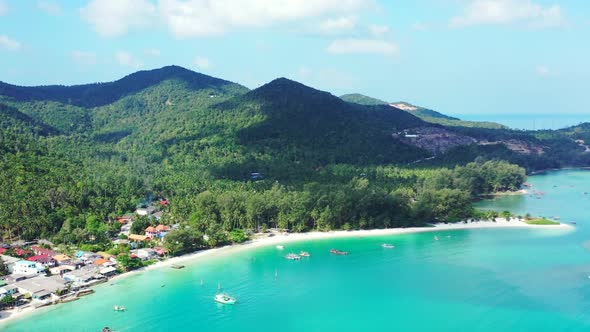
{"x":283,"y":238}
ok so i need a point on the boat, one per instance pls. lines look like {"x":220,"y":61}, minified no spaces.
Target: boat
{"x":177,"y":266}
{"x":338,"y":252}
{"x":119,"y":308}
{"x":304,"y":254}
{"x":387,"y":246}
{"x":225,"y":299}
{"x":435,"y":238}
{"x":280,"y":247}
{"x":293,"y":257}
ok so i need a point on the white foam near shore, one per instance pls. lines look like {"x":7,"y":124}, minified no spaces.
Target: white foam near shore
{"x":283,"y":238}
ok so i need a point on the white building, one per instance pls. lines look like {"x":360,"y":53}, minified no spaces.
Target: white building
{"x":28,"y":268}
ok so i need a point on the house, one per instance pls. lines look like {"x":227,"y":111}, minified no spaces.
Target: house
{"x":145,"y":211}
{"x":151,"y":232}
{"x":8,"y":290}
{"x":160,"y":251}
{"x":127,"y":218}
{"x":89,"y":257}
{"x":9,"y":262}
{"x":157,"y":232}
{"x":100,"y":262}
{"x":126,"y":229}
{"x":62,"y":269}
{"x":164,"y":202}
{"x":83,"y":276}
{"x":41,"y":287}
{"x":62,"y":259}
{"x":28,"y":268}
{"x":145,"y":253}
{"x":138,"y":238}
{"x":108,"y":271}
{"x":43,"y":259}
{"x":38,"y":250}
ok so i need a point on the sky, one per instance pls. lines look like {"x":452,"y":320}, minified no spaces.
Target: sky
{"x":468,"y":57}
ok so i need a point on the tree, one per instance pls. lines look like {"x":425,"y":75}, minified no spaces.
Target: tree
{"x":237,"y":236}
{"x":139,"y":225}
{"x":3,"y":268}
{"x":7,"y":301}
{"x":128,"y":263}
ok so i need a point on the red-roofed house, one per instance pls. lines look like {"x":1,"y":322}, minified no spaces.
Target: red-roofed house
{"x":125,"y":219}
{"x":2,"y":250}
{"x":151,"y":232}
{"x":162,"y":228}
{"x":21,"y":252}
{"x":42,"y":259}
{"x":164,"y":202}
{"x":43,"y":251}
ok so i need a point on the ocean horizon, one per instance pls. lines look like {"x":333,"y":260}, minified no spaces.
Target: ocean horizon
{"x":529,"y":121}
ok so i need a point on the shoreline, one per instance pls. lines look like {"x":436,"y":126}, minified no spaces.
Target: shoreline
{"x":14,"y":314}
{"x":547,"y":170}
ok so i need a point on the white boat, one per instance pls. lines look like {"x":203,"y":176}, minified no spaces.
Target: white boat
{"x":280,"y":247}
{"x":304,"y":254}
{"x":119,"y":308}
{"x":435,"y":238}
{"x":387,"y":246}
{"x":293,"y":257}
{"x":225,"y":299}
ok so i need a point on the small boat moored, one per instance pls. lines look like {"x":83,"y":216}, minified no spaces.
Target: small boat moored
{"x":177,"y":266}
{"x":225,"y":299}
{"x":280,"y":247}
{"x":119,"y":308}
{"x":387,"y":246}
{"x":304,"y":254}
{"x":293,"y":257}
{"x":338,"y":252}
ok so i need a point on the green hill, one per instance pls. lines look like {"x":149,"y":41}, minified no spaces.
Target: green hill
{"x":75,"y":155}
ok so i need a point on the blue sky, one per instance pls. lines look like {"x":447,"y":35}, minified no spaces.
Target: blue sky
{"x":456,"y":56}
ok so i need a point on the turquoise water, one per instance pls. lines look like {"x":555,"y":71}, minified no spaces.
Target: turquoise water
{"x":474,"y":280}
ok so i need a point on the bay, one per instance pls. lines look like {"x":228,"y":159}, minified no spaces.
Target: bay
{"x":468,"y":280}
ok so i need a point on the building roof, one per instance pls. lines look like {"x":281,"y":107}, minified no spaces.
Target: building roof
{"x":40,"y":259}
{"x":137,"y":237}
{"x":43,"y":251}
{"x":107,"y":270}
{"x":104,"y":255}
{"x":150,"y":229}
{"x":161,"y":228}
{"x":61,"y":258}
{"x":40,"y":284}
{"x":9,"y":259}
{"x":100,"y":261}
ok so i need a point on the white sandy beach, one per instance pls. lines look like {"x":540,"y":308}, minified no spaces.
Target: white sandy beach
{"x":281,"y":239}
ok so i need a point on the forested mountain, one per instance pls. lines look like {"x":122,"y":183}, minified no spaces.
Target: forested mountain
{"x":73,"y":158}
{"x":98,"y":94}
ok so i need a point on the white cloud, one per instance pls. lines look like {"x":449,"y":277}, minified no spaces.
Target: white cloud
{"x":337,"y":25}
{"x":127,"y":59}
{"x":498,"y":12}
{"x":418,"y":26}
{"x":378,"y":30}
{"x":153,"y":52}
{"x":49,"y":7}
{"x":202,"y":63}
{"x":325,"y":78}
{"x":84,"y":58}
{"x":363,"y":46}
{"x":197,"y":18}
{"x":112,"y":18}
{"x":9,"y":44}
{"x":3,"y":8}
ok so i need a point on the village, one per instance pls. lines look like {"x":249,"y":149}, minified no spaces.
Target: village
{"x":36,"y":274}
